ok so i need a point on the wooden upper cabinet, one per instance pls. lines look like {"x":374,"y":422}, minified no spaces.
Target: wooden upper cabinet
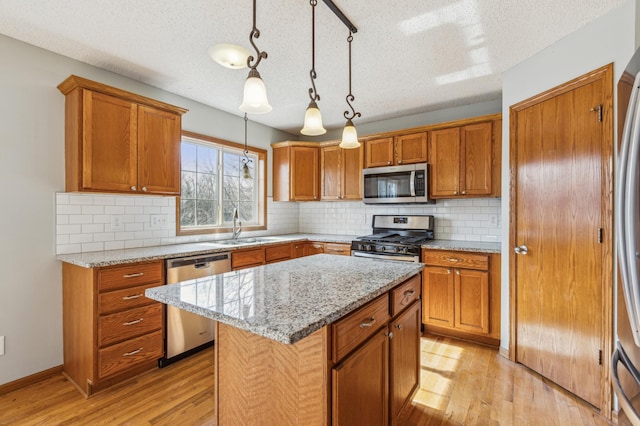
{"x":403,"y":149}
{"x":296,"y":171}
{"x":462,"y":161}
{"x":117,"y":141}
{"x":341,"y":173}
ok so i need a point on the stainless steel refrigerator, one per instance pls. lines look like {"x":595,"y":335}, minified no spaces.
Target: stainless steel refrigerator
{"x":626,"y":357}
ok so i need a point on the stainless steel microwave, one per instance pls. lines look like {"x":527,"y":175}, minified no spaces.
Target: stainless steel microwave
{"x":406,"y":184}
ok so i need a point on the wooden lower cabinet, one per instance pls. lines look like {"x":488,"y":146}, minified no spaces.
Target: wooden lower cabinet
{"x":308,"y":248}
{"x":248,"y":258}
{"x":461,"y":295}
{"x":111,"y":331}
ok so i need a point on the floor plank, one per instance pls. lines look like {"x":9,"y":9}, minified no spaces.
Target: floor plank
{"x":461,"y":384}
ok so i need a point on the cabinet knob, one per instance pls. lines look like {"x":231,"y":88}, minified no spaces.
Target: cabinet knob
{"x":455,"y":192}
{"x":400,"y":162}
{"x":464,"y":192}
{"x":448,"y":271}
{"x":457,"y":272}
{"x":337,"y":197}
{"x":399,"y":326}
{"x":144,"y":189}
{"x":388,"y":162}
{"x":133,"y":188}
{"x":390,"y":334}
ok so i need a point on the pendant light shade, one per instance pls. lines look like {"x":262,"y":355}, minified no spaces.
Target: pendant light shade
{"x":255,"y":99}
{"x":313,"y":121}
{"x":229,"y":55}
{"x":349,"y":136}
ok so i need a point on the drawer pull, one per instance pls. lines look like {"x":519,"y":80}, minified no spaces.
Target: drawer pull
{"x":134,"y":322}
{"x":133,"y":296}
{"x":137,"y":351}
{"x":399,"y":326}
{"x":409,"y":293}
{"x":453,"y":259}
{"x":368,"y":323}
{"x":138,"y":274}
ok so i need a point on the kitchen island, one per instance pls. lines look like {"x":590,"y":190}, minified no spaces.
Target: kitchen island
{"x":303,"y":341}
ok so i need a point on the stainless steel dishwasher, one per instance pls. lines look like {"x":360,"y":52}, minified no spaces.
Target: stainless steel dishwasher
{"x":187,"y":333}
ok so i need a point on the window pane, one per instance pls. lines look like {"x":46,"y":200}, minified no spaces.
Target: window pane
{"x":227,"y":210}
{"x":205,"y":212}
{"x":231,"y":164}
{"x":246,"y":212}
{"x":246,"y":189}
{"x":187,"y":212}
{"x":188,"y":156}
{"x":206,"y":186}
{"x":188,"y":185}
{"x":207,"y":159}
{"x":231,"y":187}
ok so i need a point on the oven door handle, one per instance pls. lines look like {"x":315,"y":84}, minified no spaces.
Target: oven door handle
{"x":412,"y":183}
{"x":386,"y":256}
{"x":620,"y":357}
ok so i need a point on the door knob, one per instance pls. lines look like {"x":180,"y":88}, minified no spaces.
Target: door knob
{"x":521,"y":250}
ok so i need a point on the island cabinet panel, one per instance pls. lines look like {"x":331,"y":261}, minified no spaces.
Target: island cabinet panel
{"x":461,"y":295}
{"x":360,"y":385}
{"x":405,"y":294}
{"x":117,"y":141}
{"x":111,"y":331}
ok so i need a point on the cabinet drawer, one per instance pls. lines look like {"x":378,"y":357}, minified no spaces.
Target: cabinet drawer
{"x":123,"y":356}
{"x":341,"y":249}
{"x":130,"y":276}
{"x":121,"y":300}
{"x":279,"y":252}
{"x":247,"y":258}
{"x":405,"y":294}
{"x":124,"y":325}
{"x":456,"y":259}
{"x":356,"y":327}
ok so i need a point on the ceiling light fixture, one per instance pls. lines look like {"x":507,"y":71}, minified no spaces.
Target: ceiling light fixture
{"x":255,"y":100}
{"x":312,"y":117}
{"x":349,"y":134}
{"x":246,"y":174}
{"x":229,"y":55}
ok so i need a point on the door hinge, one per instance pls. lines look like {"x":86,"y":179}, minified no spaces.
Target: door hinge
{"x":600,"y":357}
{"x":600,"y":235}
{"x":598,"y":109}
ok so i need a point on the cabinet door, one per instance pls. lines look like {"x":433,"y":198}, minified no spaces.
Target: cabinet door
{"x":476,"y":171}
{"x":352,"y":173}
{"x":404,"y":359}
{"x":411,"y":148}
{"x":379,"y":152}
{"x":304,"y":173}
{"x":438,"y":295}
{"x":444,"y":158}
{"x":360,"y":385}
{"x":109,"y":158}
{"x":158,"y":151}
{"x":330,"y":169}
{"x":313,"y":248}
{"x":472,"y":301}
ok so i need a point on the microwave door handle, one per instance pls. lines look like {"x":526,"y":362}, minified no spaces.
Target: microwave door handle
{"x":412,"y":183}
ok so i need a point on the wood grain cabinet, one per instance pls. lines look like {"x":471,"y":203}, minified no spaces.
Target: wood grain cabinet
{"x":340,"y":173}
{"x":463,"y":161}
{"x":296,"y":171}
{"x":116,"y":141}
{"x":248,"y":258}
{"x":461,"y":294}
{"x":402,"y":149}
{"x":111,"y":330}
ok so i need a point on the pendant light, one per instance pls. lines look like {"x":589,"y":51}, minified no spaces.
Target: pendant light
{"x":246,"y":174}
{"x":255,"y":100}
{"x":349,"y":134}
{"x":312,"y":118}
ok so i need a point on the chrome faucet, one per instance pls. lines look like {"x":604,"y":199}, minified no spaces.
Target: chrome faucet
{"x":237,"y":225}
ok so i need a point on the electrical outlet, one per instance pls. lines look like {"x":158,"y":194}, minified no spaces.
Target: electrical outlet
{"x":1,"y":345}
{"x":157,"y":221}
{"x":116,"y":223}
{"x":493,"y":220}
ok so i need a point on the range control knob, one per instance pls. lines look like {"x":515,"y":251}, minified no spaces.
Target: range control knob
{"x":382,"y":248}
{"x":403,"y":250}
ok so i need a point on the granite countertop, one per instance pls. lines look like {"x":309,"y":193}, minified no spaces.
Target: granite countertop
{"x":118,"y":257}
{"x":289,"y":300}
{"x":475,"y":246}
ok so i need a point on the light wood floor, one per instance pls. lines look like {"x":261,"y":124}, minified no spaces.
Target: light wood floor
{"x":461,"y":384}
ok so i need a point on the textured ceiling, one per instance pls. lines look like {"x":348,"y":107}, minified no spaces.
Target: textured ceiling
{"x":409,"y":56}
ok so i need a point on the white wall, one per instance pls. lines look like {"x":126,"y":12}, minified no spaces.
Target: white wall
{"x":610,"y":38}
{"x":32,"y":169}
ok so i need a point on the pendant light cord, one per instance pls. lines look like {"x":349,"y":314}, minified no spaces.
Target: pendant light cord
{"x":313,"y":93}
{"x":246,"y":159}
{"x":350,"y":98}
{"x":255,"y":33}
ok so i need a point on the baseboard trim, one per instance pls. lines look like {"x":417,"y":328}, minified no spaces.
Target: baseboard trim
{"x":29,"y":380}
{"x":504,"y":352}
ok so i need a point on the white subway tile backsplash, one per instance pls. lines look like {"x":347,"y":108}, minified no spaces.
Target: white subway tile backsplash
{"x":80,"y":238}
{"x":114,"y":245}
{"x":111,"y":210}
{"x":69,"y":209}
{"x":80,"y":219}
{"x":92,"y":228}
{"x":92,"y":209}
{"x":80,"y":199}
{"x":92,"y":247}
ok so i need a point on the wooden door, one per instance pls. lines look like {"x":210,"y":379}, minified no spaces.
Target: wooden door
{"x":438,"y":296}
{"x":475,"y":161}
{"x":352,"y":173}
{"x":404,"y":358}
{"x":304,"y":173}
{"x":379,"y":152}
{"x":444,"y":158}
{"x":330,"y":165}
{"x":411,"y":148}
{"x":472,"y":300}
{"x":158,"y":151}
{"x":109,"y":149}
{"x":559,"y":158}
{"x":360,"y":385}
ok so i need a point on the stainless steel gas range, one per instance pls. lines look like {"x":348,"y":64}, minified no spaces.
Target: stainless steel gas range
{"x":395,"y":237}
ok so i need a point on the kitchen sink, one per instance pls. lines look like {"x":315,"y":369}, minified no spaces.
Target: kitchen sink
{"x":247,"y":240}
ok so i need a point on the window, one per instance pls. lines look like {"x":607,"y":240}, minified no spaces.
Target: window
{"x":213,"y":186}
